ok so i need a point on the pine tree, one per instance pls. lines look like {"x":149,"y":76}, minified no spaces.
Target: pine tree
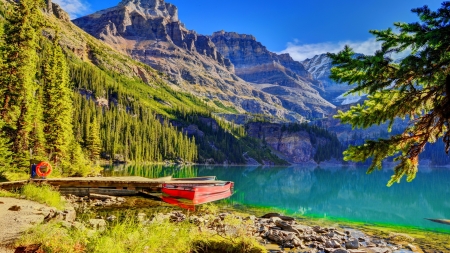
{"x":5,"y":149}
{"x":37,"y":137}
{"x":58,"y":115}
{"x":417,"y":87}
{"x":93,"y":142}
{"x":17,"y":74}
{"x":76,"y":164}
{"x":5,"y":152}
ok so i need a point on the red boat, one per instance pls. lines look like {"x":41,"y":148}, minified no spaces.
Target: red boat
{"x":177,"y":202}
{"x":190,"y":204}
{"x":195,"y":190}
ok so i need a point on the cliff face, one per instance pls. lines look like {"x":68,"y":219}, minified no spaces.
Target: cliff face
{"x":295,"y":146}
{"x":150,"y":32}
{"x":276,"y":74}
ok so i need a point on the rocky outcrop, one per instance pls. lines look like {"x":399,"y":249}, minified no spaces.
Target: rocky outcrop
{"x":49,"y":6}
{"x":294,"y":144}
{"x":276,"y":74}
{"x":55,"y":9}
{"x":151,"y":32}
{"x":60,"y":13}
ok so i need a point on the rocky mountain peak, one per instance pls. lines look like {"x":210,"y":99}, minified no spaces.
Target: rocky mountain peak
{"x":320,"y":68}
{"x":152,"y":8}
{"x":233,"y":35}
{"x":278,"y":75}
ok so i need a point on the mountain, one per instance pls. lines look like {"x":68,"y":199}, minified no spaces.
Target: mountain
{"x":320,"y":69}
{"x":275,"y":74}
{"x":150,"y":32}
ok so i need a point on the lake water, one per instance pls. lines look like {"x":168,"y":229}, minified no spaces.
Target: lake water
{"x":334,"y":193}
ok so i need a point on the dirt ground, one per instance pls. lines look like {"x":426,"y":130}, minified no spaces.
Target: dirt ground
{"x":16,"y":216}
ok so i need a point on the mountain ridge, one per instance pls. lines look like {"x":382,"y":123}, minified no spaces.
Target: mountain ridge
{"x":191,"y":61}
{"x":259,"y":82}
{"x":320,"y":68}
{"x":276,"y":74}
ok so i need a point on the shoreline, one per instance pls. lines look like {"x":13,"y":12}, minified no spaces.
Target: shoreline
{"x":422,"y":240}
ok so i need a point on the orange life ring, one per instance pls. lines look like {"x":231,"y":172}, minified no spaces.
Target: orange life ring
{"x":43,"y":164}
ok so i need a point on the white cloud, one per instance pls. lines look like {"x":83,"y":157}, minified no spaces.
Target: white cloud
{"x":300,"y":52}
{"x":75,"y":8}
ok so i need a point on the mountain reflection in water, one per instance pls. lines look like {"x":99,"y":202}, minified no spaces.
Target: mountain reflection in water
{"x":336,"y":193}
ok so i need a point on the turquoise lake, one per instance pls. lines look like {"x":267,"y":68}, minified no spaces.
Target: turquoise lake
{"x":334,"y":193}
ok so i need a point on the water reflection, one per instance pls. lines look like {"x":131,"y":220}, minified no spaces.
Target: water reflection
{"x":335,"y":193}
{"x":190,"y":204}
{"x":151,"y":171}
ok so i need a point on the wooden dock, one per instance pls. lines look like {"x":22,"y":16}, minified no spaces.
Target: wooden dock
{"x":115,"y":186}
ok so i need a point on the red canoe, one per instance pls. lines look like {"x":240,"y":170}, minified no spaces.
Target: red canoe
{"x":190,"y":204}
{"x":194,"y":191}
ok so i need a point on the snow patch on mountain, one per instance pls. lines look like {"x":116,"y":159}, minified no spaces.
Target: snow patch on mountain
{"x":346,"y":99}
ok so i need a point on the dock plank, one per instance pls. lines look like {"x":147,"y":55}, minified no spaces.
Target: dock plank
{"x":129,"y":183}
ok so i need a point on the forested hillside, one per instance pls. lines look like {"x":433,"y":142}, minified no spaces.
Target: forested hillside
{"x":69,"y":111}
{"x":70,"y":99}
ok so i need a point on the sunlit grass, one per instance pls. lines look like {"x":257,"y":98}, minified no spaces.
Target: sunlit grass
{"x":8,"y":194}
{"x":208,"y":208}
{"x":131,"y":236}
{"x":55,"y":238}
{"x":14,"y":176}
{"x":44,"y":194}
{"x":217,"y":243}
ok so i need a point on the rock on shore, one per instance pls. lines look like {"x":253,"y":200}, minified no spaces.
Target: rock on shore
{"x":18,"y":215}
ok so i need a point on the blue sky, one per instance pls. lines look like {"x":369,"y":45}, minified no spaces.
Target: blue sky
{"x":302,"y":28}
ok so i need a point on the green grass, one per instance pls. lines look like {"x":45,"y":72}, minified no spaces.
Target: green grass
{"x":44,"y":194}
{"x":130,"y":236}
{"x":53,"y":237}
{"x":8,"y":194}
{"x":14,"y":176}
{"x":218,"y":243}
{"x":209,"y":208}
